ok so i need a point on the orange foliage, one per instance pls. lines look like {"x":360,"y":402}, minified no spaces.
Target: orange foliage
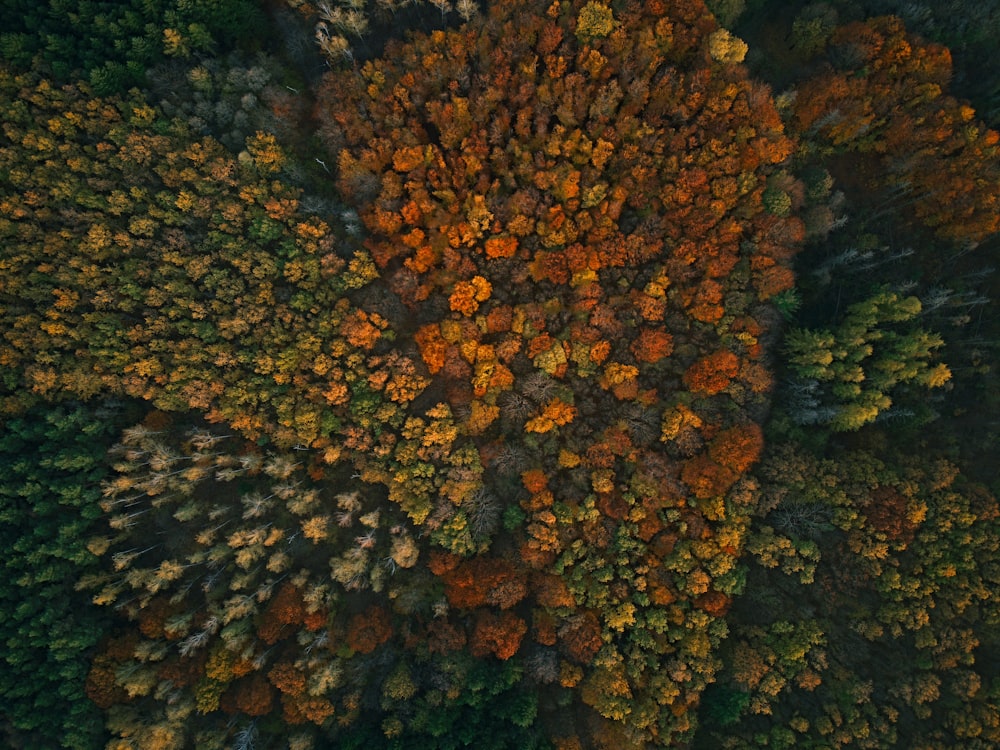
{"x":652,"y":345}
{"x":467,"y":295}
{"x":501,"y":247}
{"x":713,"y":373}
{"x":499,"y":635}
{"x":556,"y":413}
{"x":705,"y":478}
{"x":713,"y":602}
{"x":360,"y":329}
{"x":774,"y":280}
{"x":534,"y":480}
{"x":499,"y":319}
{"x":440,"y":562}
{"x":551,"y":591}
{"x":408,"y":158}
{"x":484,"y":580}
{"x":287,"y":678}
{"x":599,"y":352}
{"x":432,"y":347}
{"x":285,"y":609}
{"x":315,"y":620}
{"x":738,"y":447}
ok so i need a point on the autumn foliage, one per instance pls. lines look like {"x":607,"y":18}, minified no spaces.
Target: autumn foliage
{"x":511,"y":403}
{"x":368,"y":630}
{"x":930,"y":145}
{"x":497,"y":634}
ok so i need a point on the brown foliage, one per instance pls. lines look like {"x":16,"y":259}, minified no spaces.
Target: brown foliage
{"x":443,"y":637}
{"x":286,"y":608}
{"x":887,"y":513}
{"x":580,"y":637}
{"x":251,"y":695}
{"x":368,"y":630}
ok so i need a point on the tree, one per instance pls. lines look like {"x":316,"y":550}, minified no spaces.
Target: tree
{"x":846,"y":375}
{"x":499,"y":635}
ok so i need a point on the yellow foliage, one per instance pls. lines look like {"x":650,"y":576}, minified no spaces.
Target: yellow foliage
{"x":596,"y":20}
{"x":616,"y":373}
{"x":316,"y":528}
{"x":568,"y":459}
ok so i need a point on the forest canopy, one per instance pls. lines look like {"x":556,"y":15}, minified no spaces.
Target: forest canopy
{"x":511,"y":375}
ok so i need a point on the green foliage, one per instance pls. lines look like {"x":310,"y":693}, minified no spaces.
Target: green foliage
{"x":186,"y":244}
{"x":53,"y":461}
{"x":847,"y":375}
{"x":727,"y":12}
{"x":721,"y":706}
{"x":892,"y":642}
{"x":113,"y":44}
{"x":788,"y":303}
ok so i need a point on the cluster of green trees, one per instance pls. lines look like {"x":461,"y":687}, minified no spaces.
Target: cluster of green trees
{"x":111,"y":45}
{"x":541,"y":382}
